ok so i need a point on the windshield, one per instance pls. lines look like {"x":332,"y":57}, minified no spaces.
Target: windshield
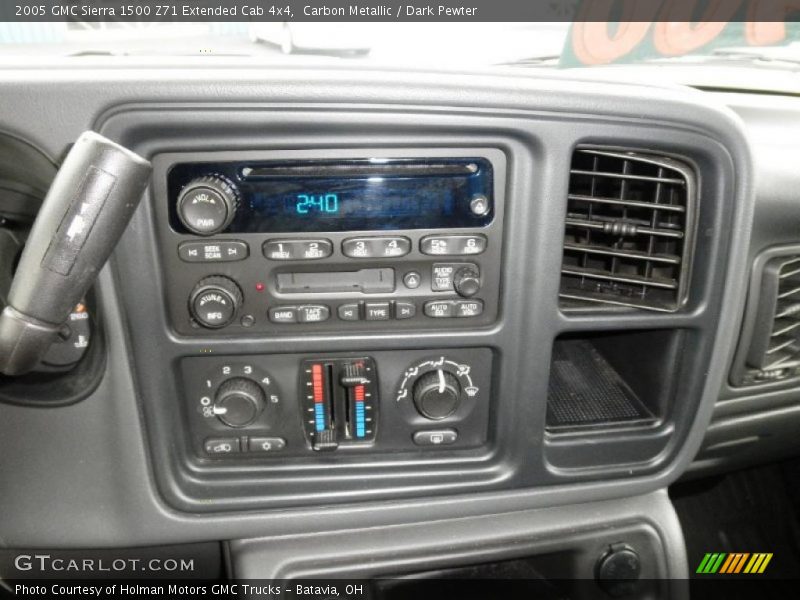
{"x":414,"y":44}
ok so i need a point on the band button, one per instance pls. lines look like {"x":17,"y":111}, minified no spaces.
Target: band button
{"x":283,"y":314}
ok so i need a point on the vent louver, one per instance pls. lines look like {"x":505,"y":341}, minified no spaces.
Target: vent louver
{"x":630,"y":219}
{"x":774,"y":352}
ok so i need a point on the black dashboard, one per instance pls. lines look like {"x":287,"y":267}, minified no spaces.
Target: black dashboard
{"x":485,"y":303}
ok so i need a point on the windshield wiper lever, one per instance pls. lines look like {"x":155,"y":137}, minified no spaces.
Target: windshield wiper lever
{"x":87,"y":208}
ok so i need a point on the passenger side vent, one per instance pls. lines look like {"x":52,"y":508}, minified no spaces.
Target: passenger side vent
{"x":774,"y":351}
{"x":629,"y":229}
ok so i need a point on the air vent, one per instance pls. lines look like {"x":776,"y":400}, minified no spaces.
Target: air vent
{"x":774,"y":351}
{"x":630,"y":220}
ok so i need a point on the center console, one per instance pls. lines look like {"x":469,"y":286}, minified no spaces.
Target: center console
{"x":340,"y":304}
{"x":312,"y":242}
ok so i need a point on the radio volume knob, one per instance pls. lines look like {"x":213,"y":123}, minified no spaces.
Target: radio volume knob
{"x":214,"y":301}
{"x":207,"y":205}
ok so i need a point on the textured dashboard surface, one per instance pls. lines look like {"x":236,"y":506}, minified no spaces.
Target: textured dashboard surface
{"x":98,"y":455}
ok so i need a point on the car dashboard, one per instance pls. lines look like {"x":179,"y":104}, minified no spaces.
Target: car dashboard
{"x":492,"y":311}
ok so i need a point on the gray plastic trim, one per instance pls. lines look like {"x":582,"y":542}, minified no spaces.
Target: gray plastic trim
{"x":648,"y":523}
{"x":93,"y":455}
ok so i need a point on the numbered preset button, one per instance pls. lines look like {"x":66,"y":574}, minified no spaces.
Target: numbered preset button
{"x":376,"y":247}
{"x":297,"y":249}
{"x":453,"y":245}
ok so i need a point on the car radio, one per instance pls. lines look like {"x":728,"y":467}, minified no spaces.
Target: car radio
{"x":285,"y":242}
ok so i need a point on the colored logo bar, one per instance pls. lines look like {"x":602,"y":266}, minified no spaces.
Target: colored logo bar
{"x":734,"y":563}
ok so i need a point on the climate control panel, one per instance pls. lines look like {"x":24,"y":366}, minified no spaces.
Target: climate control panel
{"x":270,"y":406}
{"x":341,"y":401}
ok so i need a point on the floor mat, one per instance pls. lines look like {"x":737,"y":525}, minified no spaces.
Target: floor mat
{"x":754,"y":511}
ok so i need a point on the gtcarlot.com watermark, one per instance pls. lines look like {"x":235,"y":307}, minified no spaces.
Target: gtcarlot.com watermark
{"x":46,"y":563}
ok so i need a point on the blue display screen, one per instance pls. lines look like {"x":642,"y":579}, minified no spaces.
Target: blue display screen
{"x":351,"y":195}
{"x":309,"y":204}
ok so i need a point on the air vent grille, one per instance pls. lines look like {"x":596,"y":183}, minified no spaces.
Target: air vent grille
{"x":630,"y":218}
{"x":774,"y":352}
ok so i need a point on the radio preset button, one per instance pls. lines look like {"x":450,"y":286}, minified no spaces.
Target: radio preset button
{"x":349,"y":312}
{"x":283,"y":314}
{"x":376,"y":247}
{"x":297,"y":249}
{"x":221,"y":251}
{"x":404,"y":310}
{"x":313,"y":313}
{"x":469,"y":308}
{"x":376,"y":311}
{"x":453,"y":245}
{"x":440,"y":309}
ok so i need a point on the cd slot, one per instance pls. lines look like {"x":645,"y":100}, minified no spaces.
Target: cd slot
{"x":359,"y":169}
{"x":366,"y":281}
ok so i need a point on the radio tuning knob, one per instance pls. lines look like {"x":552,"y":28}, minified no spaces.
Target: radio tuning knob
{"x":437,"y":394}
{"x":466,"y":282}
{"x":238,"y":402}
{"x":214,"y":301}
{"x":207,"y":205}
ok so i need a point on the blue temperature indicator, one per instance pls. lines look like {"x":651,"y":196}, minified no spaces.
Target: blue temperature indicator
{"x":324,"y":203}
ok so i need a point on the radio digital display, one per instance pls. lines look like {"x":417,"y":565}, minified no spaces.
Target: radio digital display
{"x":318,"y":196}
{"x":306,"y":204}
